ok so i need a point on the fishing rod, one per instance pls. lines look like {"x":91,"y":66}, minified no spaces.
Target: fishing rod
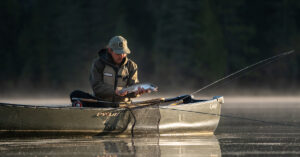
{"x":236,"y":74}
{"x":123,"y":104}
{"x":241,"y":72}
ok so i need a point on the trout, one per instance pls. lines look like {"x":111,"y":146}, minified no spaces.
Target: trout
{"x":135,"y":88}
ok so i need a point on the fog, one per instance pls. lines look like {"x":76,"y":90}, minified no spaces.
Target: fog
{"x":252,"y":100}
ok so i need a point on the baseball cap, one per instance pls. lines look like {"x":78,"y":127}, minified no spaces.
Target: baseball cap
{"x":119,"y":45}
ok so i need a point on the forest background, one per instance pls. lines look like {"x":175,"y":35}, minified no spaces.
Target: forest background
{"x":48,"y":46}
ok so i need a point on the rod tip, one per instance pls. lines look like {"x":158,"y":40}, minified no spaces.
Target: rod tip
{"x":291,"y":51}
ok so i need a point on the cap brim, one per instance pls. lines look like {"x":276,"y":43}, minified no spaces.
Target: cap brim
{"x":124,"y":51}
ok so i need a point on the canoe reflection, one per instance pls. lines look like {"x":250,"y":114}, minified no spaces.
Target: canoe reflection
{"x":114,"y":147}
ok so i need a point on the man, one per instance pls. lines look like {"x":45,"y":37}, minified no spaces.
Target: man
{"x":112,"y":71}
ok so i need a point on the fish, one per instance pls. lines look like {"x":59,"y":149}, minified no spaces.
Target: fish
{"x":135,"y":88}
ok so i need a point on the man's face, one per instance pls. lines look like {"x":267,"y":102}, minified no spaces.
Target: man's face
{"x":118,"y":58}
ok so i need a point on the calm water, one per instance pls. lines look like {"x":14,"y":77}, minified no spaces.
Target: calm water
{"x":245,"y":129}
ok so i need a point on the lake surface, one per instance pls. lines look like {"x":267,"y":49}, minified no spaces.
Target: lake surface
{"x":263,"y":127}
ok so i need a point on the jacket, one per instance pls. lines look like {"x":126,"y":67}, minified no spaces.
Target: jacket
{"x":106,"y":77}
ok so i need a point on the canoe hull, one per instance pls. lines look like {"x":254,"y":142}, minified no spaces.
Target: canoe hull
{"x":51,"y":120}
{"x":199,"y":117}
{"x":195,"y":117}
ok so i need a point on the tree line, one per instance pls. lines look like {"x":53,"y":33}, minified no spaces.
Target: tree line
{"x":50,"y":44}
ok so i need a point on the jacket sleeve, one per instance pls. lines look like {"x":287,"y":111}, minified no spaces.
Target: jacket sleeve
{"x":100,"y":88}
{"x":133,"y":77}
{"x":133,"y":74}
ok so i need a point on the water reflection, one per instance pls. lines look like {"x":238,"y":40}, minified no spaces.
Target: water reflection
{"x":113,"y":147}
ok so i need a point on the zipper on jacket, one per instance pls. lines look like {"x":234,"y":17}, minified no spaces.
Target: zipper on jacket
{"x":115,"y":86}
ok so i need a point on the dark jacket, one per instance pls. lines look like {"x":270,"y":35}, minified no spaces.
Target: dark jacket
{"x":106,"y":77}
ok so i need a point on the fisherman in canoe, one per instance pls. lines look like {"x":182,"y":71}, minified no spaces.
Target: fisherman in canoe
{"x":112,"y":72}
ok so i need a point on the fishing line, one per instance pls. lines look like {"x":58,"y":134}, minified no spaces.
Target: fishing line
{"x":134,"y":121}
{"x":235,"y":117}
{"x":227,"y":79}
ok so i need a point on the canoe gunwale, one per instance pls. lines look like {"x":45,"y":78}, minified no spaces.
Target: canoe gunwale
{"x":58,"y":107}
{"x":196,"y":102}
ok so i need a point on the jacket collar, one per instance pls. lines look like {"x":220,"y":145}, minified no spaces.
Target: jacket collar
{"x":107,"y":58}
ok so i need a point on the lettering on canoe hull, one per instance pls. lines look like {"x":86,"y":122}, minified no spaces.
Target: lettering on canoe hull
{"x":107,"y":114}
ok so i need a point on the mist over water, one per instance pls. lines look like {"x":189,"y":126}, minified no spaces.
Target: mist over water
{"x":230,"y":100}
